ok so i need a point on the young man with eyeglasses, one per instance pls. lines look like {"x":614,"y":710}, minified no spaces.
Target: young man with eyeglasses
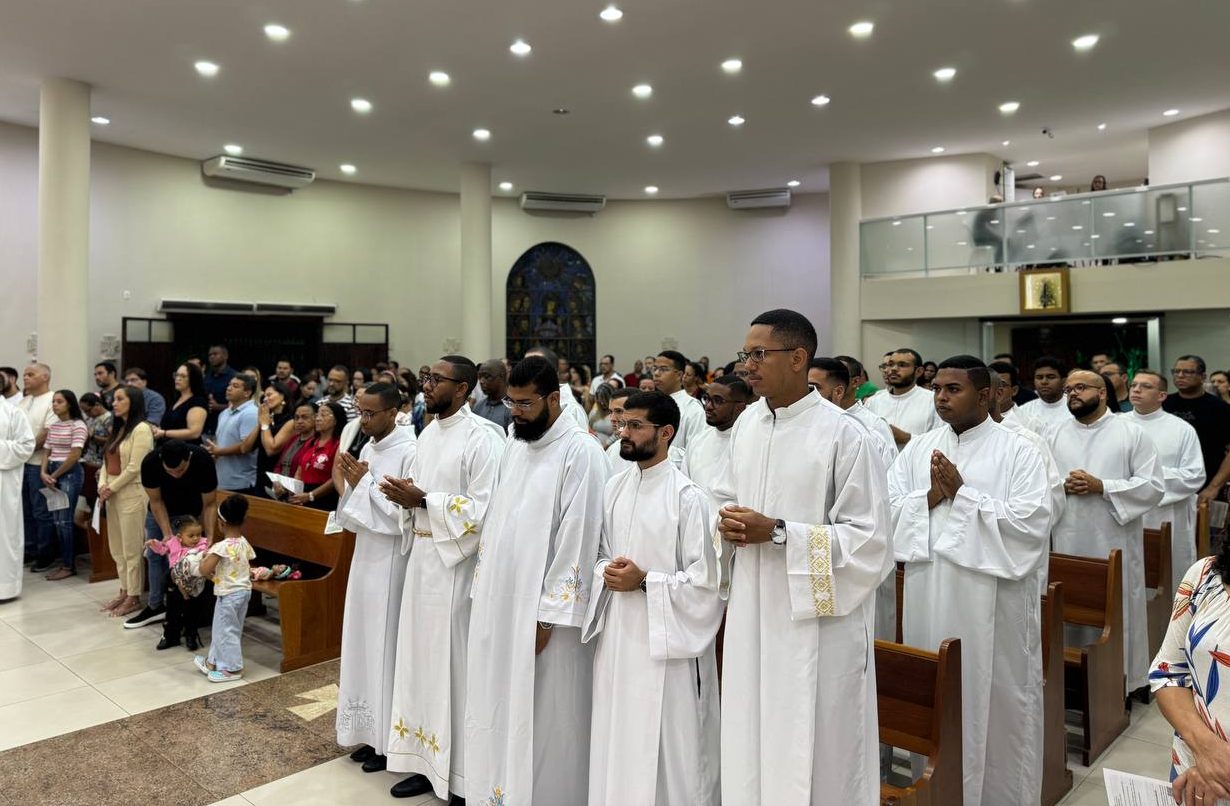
{"x":377,"y":576}
{"x":617,"y":463}
{"x":1208,"y":415}
{"x":908,"y":408}
{"x":1112,"y":478}
{"x":528,"y":674}
{"x":654,"y":609}
{"x":668,"y":369}
{"x":706,"y":459}
{"x":568,"y":404}
{"x":805,"y":506}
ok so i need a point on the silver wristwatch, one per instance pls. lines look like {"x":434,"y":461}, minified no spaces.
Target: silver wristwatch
{"x":778,"y":535}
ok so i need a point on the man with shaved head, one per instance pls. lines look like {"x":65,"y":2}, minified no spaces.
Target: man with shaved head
{"x":35,"y":403}
{"x":1112,"y":477}
{"x":493,"y":382}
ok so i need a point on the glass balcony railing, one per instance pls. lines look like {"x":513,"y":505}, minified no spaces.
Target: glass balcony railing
{"x":1118,"y":226}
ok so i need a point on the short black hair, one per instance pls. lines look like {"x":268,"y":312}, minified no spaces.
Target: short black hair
{"x":979,"y":374}
{"x":1199,"y":362}
{"x":535,"y":371}
{"x":10,"y":371}
{"x":1004,"y":355}
{"x":837,"y":370}
{"x":1004,"y":368}
{"x":109,"y":366}
{"x":88,"y":399}
{"x":661,"y":408}
{"x":387,"y":393}
{"x":623,"y":391}
{"x":855,"y":366}
{"x":140,"y":373}
{"x":174,"y":452}
{"x":699,"y":369}
{"x":792,"y":328}
{"x":465,"y":370}
{"x":737,"y":385}
{"x":675,"y":357}
{"x":1051,"y":362}
{"x":249,"y":383}
{"x":917,"y":359}
{"x":729,"y":369}
{"x":234,"y":510}
{"x":930,"y":364}
{"x":345,"y":370}
{"x":608,"y":355}
{"x":546,"y":352}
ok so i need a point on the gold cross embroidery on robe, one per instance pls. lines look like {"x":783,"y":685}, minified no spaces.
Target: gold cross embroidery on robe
{"x":459,"y":502}
{"x":401,"y":729}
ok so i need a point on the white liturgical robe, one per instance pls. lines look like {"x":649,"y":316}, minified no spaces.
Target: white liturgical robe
{"x":799,"y":722}
{"x":912,"y":411}
{"x":373,"y":594}
{"x":708,"y":457}
{"x":1115,"y":450}
{"x":527,"y":717}
{"x":1041,"y":417}
{"x":570,"y":408}
{"x":1178,"y":449}
{"x":973,"y":570}
{"x":616,"y":464}
{"x":456,"y":465}
{"x":886,"y":595}
{"x":691,"y":419}
{"x":16,"y":447}
{"x":654,"y":737}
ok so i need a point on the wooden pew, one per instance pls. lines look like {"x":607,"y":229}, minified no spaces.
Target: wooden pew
{"x":1056,"y":777}
{"x":919,"y":698}
{"x":1094,"y":674}
{"x":102,"y":564}
{"x":1159,"y":577}
{"x":900,"y":597}
{"x":311,"y":609}
{"x":1202,"y":530}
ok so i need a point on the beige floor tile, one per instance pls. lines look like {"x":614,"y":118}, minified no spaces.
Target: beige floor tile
{"x":1152,"y":727}
{"x":1090,"y":793}
{"x":335,"y":783}
{"x":156,"y":688}
{"x":16,"y":651}
{"x":234,"y":800}
{"x":75,"y":629}
{"x":36,"y":680}
{"x":53,"y":715}
{"x":40,"y":595}
{"x":123,"y":660}
{"x":1136,"y":756}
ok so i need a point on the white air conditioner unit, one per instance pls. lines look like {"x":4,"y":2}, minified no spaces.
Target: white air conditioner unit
{"x":749,"y":199}
{"x":204,"y":306}
{"x":567,"y":202}
{"x":260,"y":172}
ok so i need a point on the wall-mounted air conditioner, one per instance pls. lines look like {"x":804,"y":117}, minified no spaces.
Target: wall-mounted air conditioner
{"x":260,"y":172}
{"x":565,"y":202}
{"x":751,"y":199}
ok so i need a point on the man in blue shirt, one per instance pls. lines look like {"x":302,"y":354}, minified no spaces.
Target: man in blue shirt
{"x":155,"y":404}
{"x":217,"y":376}
{"x":232,"y":447}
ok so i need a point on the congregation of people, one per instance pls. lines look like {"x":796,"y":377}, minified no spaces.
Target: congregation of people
{"x":554,"y":568}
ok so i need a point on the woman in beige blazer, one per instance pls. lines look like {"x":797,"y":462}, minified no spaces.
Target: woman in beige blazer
{"x":119,"y":487}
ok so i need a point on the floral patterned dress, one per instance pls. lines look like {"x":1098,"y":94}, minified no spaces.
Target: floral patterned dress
{"x":1196,"y":654}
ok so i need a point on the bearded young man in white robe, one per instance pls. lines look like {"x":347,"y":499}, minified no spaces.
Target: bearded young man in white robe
{"x":668,"y":370}
{"x":616,"y":463}
{"x":377,"y":575}
{"x":567,"y":402}
{"x":905,"y":405}
{"x":443,"y":503}
{"x":1178,"y":449}
{"x":971,"y":521}
{"x":653,"y":612}
{"x":1113,"y":477}
{"x":805,"y":503}
{"x":16,"y":447}
{"x":529,"y":677}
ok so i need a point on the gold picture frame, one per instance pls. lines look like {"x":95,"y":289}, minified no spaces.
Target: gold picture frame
{"x":1044,"y":291}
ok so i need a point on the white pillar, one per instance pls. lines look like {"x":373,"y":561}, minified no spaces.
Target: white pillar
{"x":845,"y":210}
{"x":64,"y":232}
{"x":476,"y":337}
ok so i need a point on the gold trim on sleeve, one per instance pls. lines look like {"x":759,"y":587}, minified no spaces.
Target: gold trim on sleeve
{"x":820,"y":569}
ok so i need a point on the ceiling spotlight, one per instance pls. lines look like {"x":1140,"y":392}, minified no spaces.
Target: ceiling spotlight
{"x":945,"y":73}
{"x":1006,"y":143}
{"x":732,"y":66}
{"x":611,"y":14}
{"x":736,"y":120}
{"x":361,"y":105}
{"x":1101,"y":127}
{"x":1056,"y":177}
{"x":100,"y":120}
{"x":439,"y":78}
{"x":821,"y":100}
{"x":937,"y":150}
{"x":654,"y":140}
{"x":506,"y":186}
{"x":1085,"y":42}
{"x":642,"y":90}
{"x":1008,"y":107}
{"x":232,"y":149}
{"x":1118,"y":320}
{"x":482,"y":135}
{"x":862,"y":30}
{"x":1033,"y":164}
{"x":207,"y":69}
{"x":347,"y":168}
{"x":278,"y":33}
{"x":1170,"y":113}
{"x":651,"y":189}
{"x":520,"y":48}
{"x":793,"y":183}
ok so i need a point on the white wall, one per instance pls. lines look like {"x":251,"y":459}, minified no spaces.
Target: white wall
{"x":905,"y":187}
{"x":1190,"y":150}
{"x":934,"y":339}
{"x":1204,"y":333}
{"x":18,"y":240}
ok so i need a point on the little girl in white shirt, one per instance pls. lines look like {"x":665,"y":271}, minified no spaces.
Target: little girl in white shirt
{"x":227,"y":564}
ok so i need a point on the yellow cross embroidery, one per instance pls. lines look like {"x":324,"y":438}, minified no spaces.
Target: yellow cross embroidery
{"x":433,"y":744}
{"x":400,"y":728}
{"x":459,"y":501}
{"x":420,"y":735}
{"x":468,"y":528}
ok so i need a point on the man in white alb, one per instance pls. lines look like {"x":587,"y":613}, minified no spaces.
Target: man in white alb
{"x":906,"y":405}
{"x":667,"y":371}
{"x":971,"y":518}
{"x":1049,"y":409}
{"x":723,"y":401}
{"x":806,"y":506}
{"x":615,"y":462}
{"x":444,"y":500}
{"x":654,"y":610}
{"x":1007,"y":411}
{"x":568,"y":404}
{"x":16,"y":447}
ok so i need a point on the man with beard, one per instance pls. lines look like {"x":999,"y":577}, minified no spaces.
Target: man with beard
{"x":444,"y":500}
{"x":668,"y":371}
{"x":908,"y":407}
{"x":107,"y":381}
{"x":1113,"y":478}
{"x":568,"y":404}
{"x":336,"y":384}
{"x":723,"y":400}
{"x":614,"y":459}
{"x":1050,"y":409}
{"x":654,"y":610}
{"x":377,"y":576}
{"x":971,"y":516}
{"x":529,"y":677}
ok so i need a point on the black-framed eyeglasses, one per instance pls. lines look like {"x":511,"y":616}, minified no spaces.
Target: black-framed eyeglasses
{"x":367,"y":415}
{"x":433,"y":379}
{"x":758,"y":355}
{"x":713,"y":400}
{"x":520,"y":405}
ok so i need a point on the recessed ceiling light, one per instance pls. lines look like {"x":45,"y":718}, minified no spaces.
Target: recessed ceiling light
{"x":1077,"y":227}
{"x":642,"y":90}
{"x":793,"y":183}
{"x":506,"y":186}
{"x":1101,"y":127}
{"x":347,"y":168}
{"x":520,"y":48}
{"x":736,"y":120}
{"x":937,"y":150}
{"x":611,"y":14}
{"x":1033,"y":164}
{"x":1056,"y":177}
{"x":1006,"y":143}
{"x":278,"y":33}
{"x":1119,"y":320}
{"x":732,"y":66}
{"x":1108,"y":214}
{"x":100,"y":120}
{"x":651,"y":189}
{"x":232,"y":149}
{"x":654,"y":140}
{"x":361,"y":105}
{"x":1129,"y":223}
{"x":482,"y":134}
{"x":207,"y":69}
{"x":1008,"y":107}
{"x":945,"y":73}
{"x":862,"y":30}
{"x":439,"y":78}
{"x":1085,"y":42}
{"x":1170,"y":113}
{"x":821,"y":100}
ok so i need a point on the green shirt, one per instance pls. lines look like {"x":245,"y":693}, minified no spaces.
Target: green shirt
{"x":866,"y":390}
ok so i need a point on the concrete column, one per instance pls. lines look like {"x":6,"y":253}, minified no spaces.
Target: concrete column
{"x":477,"y":341}
{"x":64,"y":232}
{"x":845,"y":210}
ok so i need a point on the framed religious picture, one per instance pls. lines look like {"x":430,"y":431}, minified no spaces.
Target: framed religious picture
{"x":1044,"y":291}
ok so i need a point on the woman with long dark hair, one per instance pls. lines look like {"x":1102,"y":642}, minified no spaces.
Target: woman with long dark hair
{"x":62,"y":470}
{"x":119,"y":488}
{"x":185,"y":419}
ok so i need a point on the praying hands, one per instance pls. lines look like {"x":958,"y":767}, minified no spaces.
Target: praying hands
{"x":1080,"y":482}
{"x":402,"y":492}
{"x":622,"y":575}
{"x":353,"y":470}
{"x":945,"y":480}
{"x":743,"y":526}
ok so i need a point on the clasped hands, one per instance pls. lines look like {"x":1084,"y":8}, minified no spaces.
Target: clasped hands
{"x":744,"y":526}
{"x":402,"y":492}
{"x":353,"y":470}
{"x":945,"y":479}
{"x":1081,"y":482}
{"x":622,"y":575}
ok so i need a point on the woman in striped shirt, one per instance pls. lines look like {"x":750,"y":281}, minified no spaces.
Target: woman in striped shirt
{"x":62,"y":470}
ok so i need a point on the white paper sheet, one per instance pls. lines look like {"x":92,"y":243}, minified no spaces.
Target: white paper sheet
{"x":96,"y":518}
{"x":57,"y":499}
{"x":331,"y":525}
{"x":292,"y":485}
{"x":1126,"y":789}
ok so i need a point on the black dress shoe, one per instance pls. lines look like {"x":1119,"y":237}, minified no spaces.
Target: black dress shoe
{"x":456,"y":800}
{"x":167,"y":642}
{"x":363,"y":753}
{"x":193,"y":641}
{"x":414,"y":785}
{"x":375,"y":763}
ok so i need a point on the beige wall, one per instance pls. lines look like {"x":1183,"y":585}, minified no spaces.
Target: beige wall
{"x":1190,"y":150}
{"x":906,"y":187}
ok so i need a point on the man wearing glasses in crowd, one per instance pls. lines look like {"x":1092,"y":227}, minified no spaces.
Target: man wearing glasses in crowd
{"x":1208,"y":415}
